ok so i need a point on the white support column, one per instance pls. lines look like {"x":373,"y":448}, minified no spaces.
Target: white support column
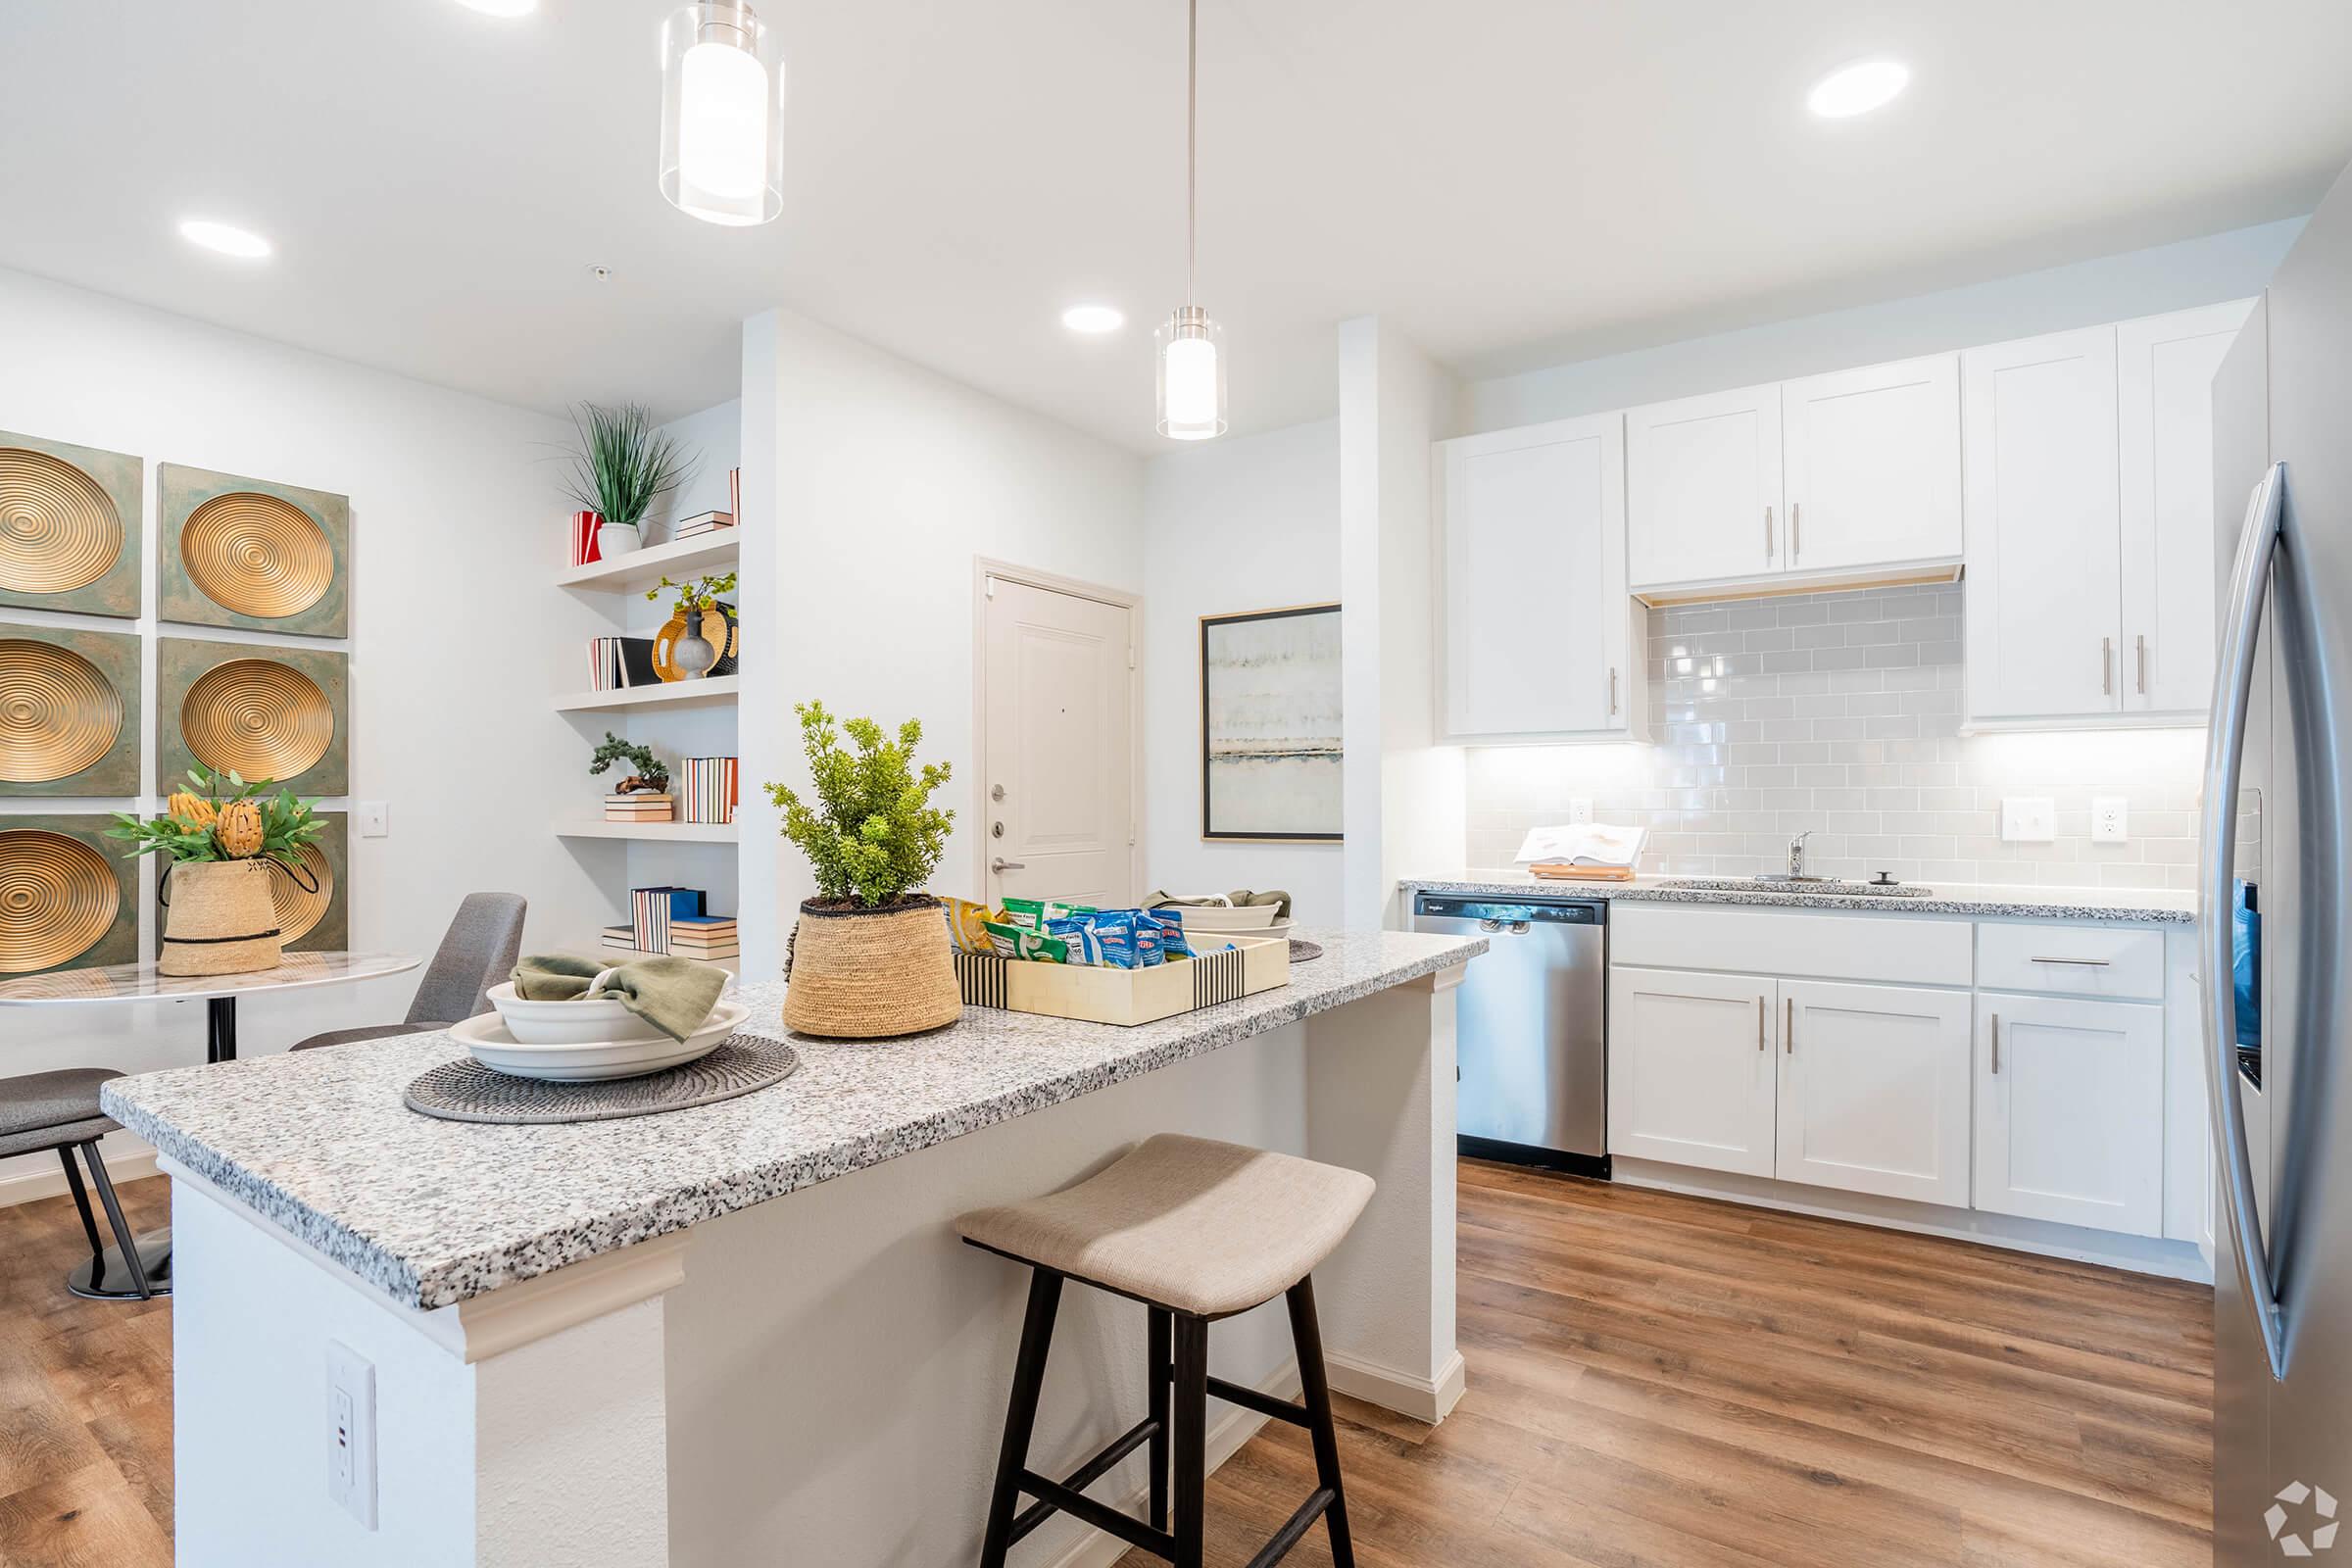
{"x":1380,"y":1100}
{"x":526,"y":1429}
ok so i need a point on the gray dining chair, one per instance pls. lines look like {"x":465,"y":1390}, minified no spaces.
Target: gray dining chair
{"x":59,"y":1111}
{"x":477,"y":953}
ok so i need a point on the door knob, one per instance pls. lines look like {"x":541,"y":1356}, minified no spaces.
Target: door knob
{"x":1000,"y":865}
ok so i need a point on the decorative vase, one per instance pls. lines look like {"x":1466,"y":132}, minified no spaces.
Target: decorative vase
{"x":219,"y":919}
{"x":617,"y":539}
{"x":868,"y":974}
{"x":691,"y":652}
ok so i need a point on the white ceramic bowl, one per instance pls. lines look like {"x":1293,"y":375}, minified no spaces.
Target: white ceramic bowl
{"x":559,"y":1023}
{"x":584,"y":1061}
{"x":1247,"y":917}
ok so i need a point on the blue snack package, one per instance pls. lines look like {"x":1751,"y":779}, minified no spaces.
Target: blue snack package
{"x":1121,"y":941}
{"x":1148,"y":941}
{"x":1172,"y":941}
{"x":1085,"y":943}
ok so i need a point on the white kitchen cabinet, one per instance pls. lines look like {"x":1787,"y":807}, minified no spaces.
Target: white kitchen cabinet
{"x":1874,"y":1090}
{"x":1693,"y":1074}
{"x":2070,"y":1111}
{"x":1538,"y":636}
{"x":2044,"y":590}
{"x":1872,"y":465}
{"x":1703,"y":488}
{"x":2163,"y":374}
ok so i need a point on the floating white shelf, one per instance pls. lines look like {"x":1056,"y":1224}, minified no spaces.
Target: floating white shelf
{"x":641,"y":570}
{"x":593,"y":944}
{"x":709,"y":692}
{"x":595,"y":827}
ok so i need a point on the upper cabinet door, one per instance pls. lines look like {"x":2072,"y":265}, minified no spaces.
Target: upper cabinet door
{"x":1703,"y":488}
{"x":2164,"y":367}
{"x":2038,"y":495}
{"x":1873,"y":466}
{"x":1535,"y":617}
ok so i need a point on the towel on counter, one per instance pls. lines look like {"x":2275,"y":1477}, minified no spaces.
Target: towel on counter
{"x":1582,"y":844}
{"x":1237,"y":898}
{"x":671,"y":994}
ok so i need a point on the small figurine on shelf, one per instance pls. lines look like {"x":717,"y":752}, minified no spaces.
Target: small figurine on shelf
{"x":684,"y":650}
{"x":643,"y":796}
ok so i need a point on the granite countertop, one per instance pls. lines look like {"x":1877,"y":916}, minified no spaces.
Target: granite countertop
{"x":435,"y":1212}
{"x":1975,"y":901}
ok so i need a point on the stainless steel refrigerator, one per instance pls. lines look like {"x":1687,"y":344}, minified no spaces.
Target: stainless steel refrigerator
{"x":2274,"y":941}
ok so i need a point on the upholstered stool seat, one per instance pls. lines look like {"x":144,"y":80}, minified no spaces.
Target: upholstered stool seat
{"x":60,"y":1110}
{"x":1197,"y":1230}
{"x":52,"y":1110}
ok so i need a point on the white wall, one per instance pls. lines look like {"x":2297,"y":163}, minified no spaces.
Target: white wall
{"x":871,"y":484}
{"x":1246,"y":523}
{"x":458,"y":633}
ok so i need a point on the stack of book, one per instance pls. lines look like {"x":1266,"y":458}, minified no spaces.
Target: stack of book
{"x":708,"y":786}
{"x":638,"y":806}
{"x":652,"y":913}
{"x":583,"y":538}
{"x":709,"y":937}
{"x":701,"y":523}
{"x":616,"y":663}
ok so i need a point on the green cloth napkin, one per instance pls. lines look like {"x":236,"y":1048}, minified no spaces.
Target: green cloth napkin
{"x":1241,"y":898}
{"x":673,"y":995}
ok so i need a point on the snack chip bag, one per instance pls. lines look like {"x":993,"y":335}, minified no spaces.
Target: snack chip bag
{"x":1020,"y":941}
{"x":1172,"y":941}
{"x":1115,"y":930}
{"x":1037,"y":914}
{"x":1083,"y":942}
{"x":967,"y":925}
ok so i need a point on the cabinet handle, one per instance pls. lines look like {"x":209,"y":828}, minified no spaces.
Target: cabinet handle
{"x":2106,"y":666}
{"x":1788,"y":1027}
{"x":2087,"y":963}
{"x":1612,"y":691}
{"x":1759,"y":1023}
{"x":2143,"y":639}
{"x":1997,"y":1044}
{"x":1768,"y":533}
{"x":1797,"y":529}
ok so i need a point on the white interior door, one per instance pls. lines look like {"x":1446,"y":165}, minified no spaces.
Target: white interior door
{"x":1703,"y":488}
{"x":2070,"y":1111}
{"x":1691,"y":1069}
{"x":2044,"y":562}
{"x":1535,"y":579}
{"x":1872,"y":464}
{"x":1058,"y":786}
{"x":1873,"y":1090}
{"x":2164,"y":367}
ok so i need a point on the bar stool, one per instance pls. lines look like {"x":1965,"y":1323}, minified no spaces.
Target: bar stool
{"x":60,"y":1110}
{"x":1197,"y":1230}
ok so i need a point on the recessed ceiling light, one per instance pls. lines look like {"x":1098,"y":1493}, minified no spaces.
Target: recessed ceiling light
{"x":226,"y":238}
{"x":1858,"y":88}
{"x":1093,"y":318}
{"x":501,"y":8}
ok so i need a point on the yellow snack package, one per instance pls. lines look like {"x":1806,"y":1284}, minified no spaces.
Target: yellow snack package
{"x":967,"y":924}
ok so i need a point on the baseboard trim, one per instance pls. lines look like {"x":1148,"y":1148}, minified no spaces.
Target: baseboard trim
{"x":1224,"y":1440}
{"x":33,"y":1184}
{"x":1425,"y":1400}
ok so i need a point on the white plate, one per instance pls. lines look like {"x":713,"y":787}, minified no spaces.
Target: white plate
{"x":580,"y":1062}
{"x":602,"y":1021}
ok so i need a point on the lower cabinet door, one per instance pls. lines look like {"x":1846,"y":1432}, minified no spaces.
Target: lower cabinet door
{"x":1691,"y":1069}
{"x":1873,"y":1090}
{"x":2070,"y":1111}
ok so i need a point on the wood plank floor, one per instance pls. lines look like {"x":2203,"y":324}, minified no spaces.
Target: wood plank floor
{"x":1658,"y":1380}
{"x":1655,"y":1379}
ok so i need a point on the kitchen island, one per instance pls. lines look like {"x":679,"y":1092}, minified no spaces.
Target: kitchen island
{"x":603,"y":1344}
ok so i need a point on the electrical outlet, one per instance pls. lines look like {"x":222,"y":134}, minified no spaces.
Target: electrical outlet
{"x":2110,"y":819}
{"x":351,"y":1432}
{"x":1579,"y":809}
{"x":2028,"y":819}
{"x":376,"y":819}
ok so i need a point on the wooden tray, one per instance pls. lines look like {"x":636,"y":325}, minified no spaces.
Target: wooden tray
{"x":1092,"y":993}
{"x":1582,"y":873}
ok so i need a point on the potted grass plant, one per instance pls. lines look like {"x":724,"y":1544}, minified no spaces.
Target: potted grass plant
{"x":869,"y":958}
{"x":622,"y":465}
{"x":220,"y":838}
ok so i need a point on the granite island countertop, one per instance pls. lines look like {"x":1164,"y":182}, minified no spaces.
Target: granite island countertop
{"x":1973,"y":899}
{"x":435,"y":1212}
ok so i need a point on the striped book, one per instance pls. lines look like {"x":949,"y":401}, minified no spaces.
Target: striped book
{"x":652,"y":909}
{"x":706,"y":785}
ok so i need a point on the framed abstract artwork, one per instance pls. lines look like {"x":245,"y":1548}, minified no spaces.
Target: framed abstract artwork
{"x":251,"y":554}
{"x":69,"y":527}
{"x":1270,"y":737}
{"x":68,"y":900}
{"x":269,"y":712}
{"x":68,"y":711}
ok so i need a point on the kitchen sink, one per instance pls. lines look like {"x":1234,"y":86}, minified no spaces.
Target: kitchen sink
{"x":1830,"y":886}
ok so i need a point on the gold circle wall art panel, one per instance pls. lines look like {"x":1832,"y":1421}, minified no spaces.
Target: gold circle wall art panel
{"x":57,"y":898}
{"x":257,"y":555}
{"x":59,"y":530}
{"x":263,"y":718}
{"x":300,"y":908}
{"x":57,"y":713}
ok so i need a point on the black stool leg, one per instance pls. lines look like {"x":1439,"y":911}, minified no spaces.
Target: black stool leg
{"x":1020,"y":1419}
{"x":1307,"y":1336}
{"x":81,"y":1201}
{"x":1191,"y":1455}
{"x":123,"y":1239}
{"x":1162,"y":1332}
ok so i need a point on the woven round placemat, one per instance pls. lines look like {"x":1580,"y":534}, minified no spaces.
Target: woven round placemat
{"x":467,"y":1090}
{"x":1302,"y":949}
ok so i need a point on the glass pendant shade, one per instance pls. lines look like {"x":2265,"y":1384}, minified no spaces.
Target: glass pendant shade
{"x":1191,"y":375}
{"x":722,"y":115}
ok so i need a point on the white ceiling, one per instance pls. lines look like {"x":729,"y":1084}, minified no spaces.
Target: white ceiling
{"x":1515,"y":183}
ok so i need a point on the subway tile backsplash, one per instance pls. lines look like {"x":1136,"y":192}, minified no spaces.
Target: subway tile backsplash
{"x":1840,"y":714}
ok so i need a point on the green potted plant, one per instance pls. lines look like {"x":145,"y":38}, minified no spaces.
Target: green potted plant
{"x":869,"y":958}
{"x":691,"y":653}
{"x":220,"y":836}
{"x":625,"y":463}
{"x":650,"y":776}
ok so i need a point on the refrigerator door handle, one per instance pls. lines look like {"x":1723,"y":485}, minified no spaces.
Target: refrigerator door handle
{"x":2217,"y":870}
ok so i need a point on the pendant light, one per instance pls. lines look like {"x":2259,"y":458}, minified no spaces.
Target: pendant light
{"x":1192,"y":346}
{"x":722,"y":115}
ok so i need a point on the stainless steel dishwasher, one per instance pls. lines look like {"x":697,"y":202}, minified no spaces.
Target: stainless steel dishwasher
{"x":1531,"y":1028}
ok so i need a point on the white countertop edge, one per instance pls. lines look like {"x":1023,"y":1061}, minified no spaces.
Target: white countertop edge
{"x":1976,"y":900}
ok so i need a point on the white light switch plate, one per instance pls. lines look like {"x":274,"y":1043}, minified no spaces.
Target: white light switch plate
{"x":1579,"y":809}
{"x":376,"y":819}
{"x":2028,"y":819}
{"x":351,"y":1432}
{"x":2110,"y":819}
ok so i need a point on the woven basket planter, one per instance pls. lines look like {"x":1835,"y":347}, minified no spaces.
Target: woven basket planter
{"x":219,"y":919}
{"x":868,"y":974}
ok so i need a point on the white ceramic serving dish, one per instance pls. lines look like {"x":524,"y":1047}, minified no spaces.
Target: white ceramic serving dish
{"x":1247,"y":917}
{"x":604,"y":1021}
{"x":584,"y":1061}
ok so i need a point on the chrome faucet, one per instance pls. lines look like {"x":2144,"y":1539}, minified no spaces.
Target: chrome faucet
{"x":1796,"y":853}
